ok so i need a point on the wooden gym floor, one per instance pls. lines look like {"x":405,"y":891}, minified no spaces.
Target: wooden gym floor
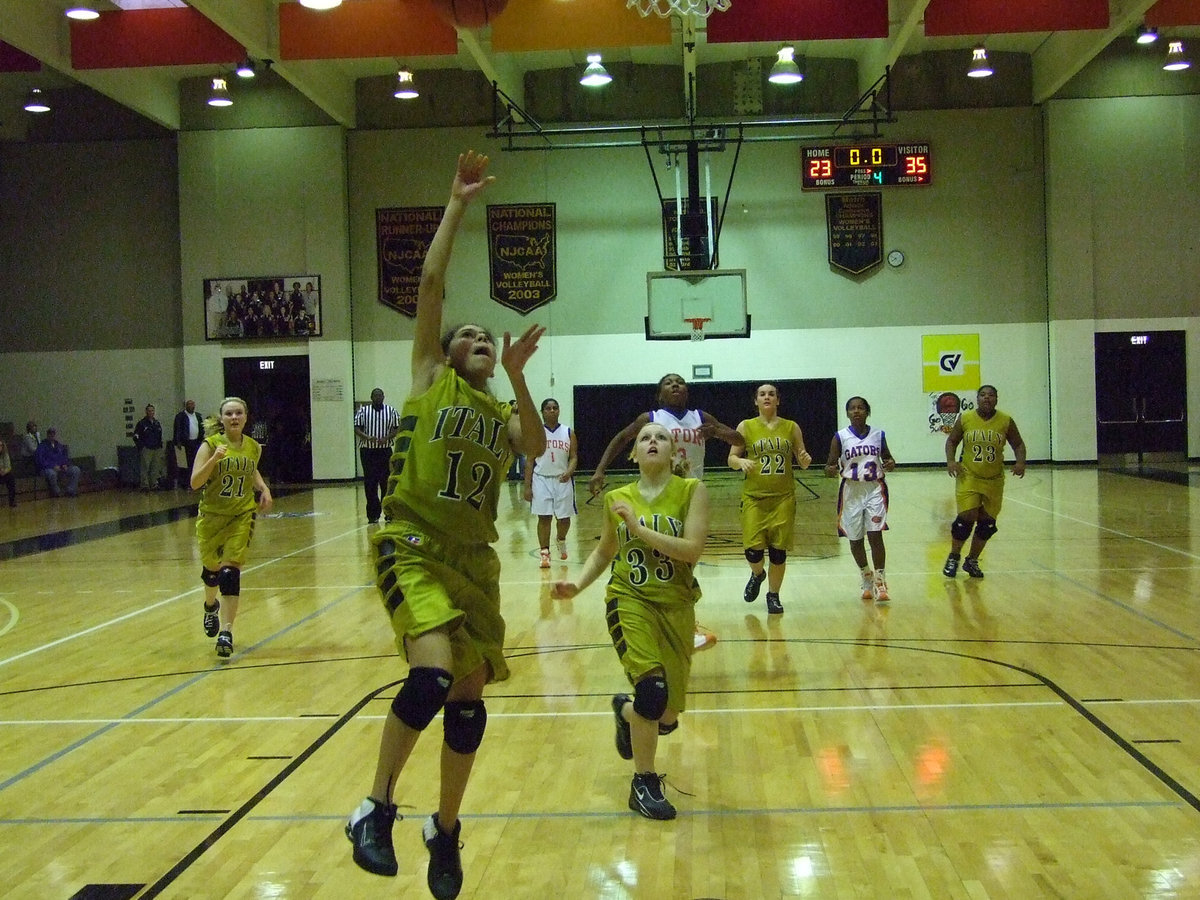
{"x":1033,"y":734}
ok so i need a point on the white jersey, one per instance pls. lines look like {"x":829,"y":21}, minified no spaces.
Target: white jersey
{"x":862,"y":457}
{"x":689,"y":439}
{"x":554,"y":461}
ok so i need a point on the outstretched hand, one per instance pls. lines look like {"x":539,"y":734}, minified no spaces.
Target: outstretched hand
{"x":514,"y":354}
{"x":471,"y":177}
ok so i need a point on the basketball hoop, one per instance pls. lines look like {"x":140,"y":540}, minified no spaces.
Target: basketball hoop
{"x":698,"y":327}
{"x":683,"y":8}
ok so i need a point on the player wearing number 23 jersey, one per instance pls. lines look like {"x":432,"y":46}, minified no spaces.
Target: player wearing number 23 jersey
{"x":981,"y":476}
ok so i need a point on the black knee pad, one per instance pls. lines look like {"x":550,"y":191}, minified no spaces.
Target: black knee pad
{"x":423,"y":693}
{"x":754,"y":556}
{"x":960,"y":529}
{"x":985,"y":529}
{"x":778,"y":557}
{"x":650,"y":697}
{"x":463,"y":723}
{"x":209,"y":576}
{"x":229,"y":580}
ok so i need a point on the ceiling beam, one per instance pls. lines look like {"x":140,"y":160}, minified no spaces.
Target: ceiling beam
{"x":255,"y":25}
{"x":883,"y":53}
{"x":1065,"y":53}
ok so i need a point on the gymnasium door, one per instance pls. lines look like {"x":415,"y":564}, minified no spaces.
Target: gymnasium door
{"x":276,"y":387}
{"x":1141,"y":396}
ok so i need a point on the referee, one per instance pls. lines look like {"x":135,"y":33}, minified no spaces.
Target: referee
{"x":375,"y":426}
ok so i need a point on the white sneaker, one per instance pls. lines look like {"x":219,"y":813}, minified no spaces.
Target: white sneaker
{"x":545,"y":554}
{"x":562,"y":549}
{"x":881,"y":591}
{"x":868,"y":586}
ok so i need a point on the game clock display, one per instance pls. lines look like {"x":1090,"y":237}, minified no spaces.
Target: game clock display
{"x":865,"y":165}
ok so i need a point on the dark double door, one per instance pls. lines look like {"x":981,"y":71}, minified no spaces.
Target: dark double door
{"x":277,"y":389}
{"x":1141,"y":395}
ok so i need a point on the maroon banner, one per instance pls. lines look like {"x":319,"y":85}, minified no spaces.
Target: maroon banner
{"x":522,"y":255}
{"x":402,"y":238}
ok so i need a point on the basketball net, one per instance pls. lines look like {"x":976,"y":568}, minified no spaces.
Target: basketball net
{"x":948,"y":420}
{"x":698,"y":327}
{"x":664,"y":8}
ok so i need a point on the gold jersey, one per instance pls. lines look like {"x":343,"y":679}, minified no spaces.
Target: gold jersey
{"x":229,"y":490}
{"x":449,"y":458}
{"x":772,"y":448}
{"x":983,"y":443}
{"x":641,"y":571}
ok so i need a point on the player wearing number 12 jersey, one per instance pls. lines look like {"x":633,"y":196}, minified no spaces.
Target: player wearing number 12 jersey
{"x":437,"y":574}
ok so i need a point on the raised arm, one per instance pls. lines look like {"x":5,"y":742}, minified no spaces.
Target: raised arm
{"x":470,"y":180}
{"x":525,"y":432}
{"x":620,"y":441}
{"x":712,"y":428}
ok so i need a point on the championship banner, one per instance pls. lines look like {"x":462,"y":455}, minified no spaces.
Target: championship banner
{"x":855,"y":226}
{"x":522,"y":255}
{"x":402,"y":238}
{"x":949,"y":362}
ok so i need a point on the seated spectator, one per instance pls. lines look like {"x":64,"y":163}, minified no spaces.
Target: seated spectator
{"x":30,"y":440}
{"x":6,"y":473}
{"x":54,"y":459}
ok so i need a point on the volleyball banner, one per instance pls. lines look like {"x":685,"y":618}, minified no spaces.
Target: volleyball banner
{"x":522,"y":255}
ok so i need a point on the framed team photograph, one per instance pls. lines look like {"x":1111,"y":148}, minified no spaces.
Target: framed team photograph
{"x":262,"y":307}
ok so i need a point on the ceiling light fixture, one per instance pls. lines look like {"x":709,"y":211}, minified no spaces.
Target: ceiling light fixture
{"x":36,"y":102}
{"x":1146,"y":35}
{"x":980,"y":67}
{"x":246,"y":68}
{"x":785,"y":70}
{"x":595,"y":75}
{"x":406,"y":85}
{"x":320,"y":4}
{"x":82,"y":13}
{"x":220,"y":93}
{"x":1177,"y":60}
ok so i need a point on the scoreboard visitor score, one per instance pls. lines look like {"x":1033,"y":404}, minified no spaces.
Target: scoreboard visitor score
{"x":865,"y":165}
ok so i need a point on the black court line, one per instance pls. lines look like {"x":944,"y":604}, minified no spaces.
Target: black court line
{"x":248,"y":807}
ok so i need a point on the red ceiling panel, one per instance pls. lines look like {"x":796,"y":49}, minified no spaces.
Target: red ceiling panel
{"x":954,"y":17}
{"x":177,"y":36}
{"x":798,"y":20}
{"x":1173,"y":12}
{"x":364,"y":29}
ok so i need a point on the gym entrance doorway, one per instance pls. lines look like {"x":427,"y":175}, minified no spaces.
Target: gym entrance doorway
{"x":276,"y":387}
{"x":1141,"y":397}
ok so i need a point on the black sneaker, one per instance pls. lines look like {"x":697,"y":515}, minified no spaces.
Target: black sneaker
{"x":623,"y":739}
{"x":753,"y":586}
{"x":445,"y":867}
{"x":646,"y":797}
{"x":950,"y":569}
{"x":212,"y":621}
{"x":225,"y":644}
{"x":370,"y":831}
{"x":774,"y":607}
{"x":971,"y":567}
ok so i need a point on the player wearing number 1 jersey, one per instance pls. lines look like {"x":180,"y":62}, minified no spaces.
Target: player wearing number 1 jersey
{"x":226,"y":467}
{"x":859,"y":453}
{"x":437,"y":574}
{"x":768,"y":493}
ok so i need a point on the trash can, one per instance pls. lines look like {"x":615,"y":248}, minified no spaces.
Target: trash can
{"x":127,"y":466}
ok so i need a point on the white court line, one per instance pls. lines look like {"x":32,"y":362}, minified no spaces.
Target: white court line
{"x":1100,"y":527}
{"x":14,"y":616}
{"x":153,"y":606}
{"x":587,"y":714}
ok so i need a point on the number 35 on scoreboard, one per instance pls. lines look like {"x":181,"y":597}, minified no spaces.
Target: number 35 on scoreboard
{"x":865,"y":165}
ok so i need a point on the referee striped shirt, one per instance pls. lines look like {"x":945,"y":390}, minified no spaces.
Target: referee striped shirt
{"x":376,"y":424}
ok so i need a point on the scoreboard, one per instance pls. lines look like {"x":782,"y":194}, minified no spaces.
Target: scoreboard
{"x":865,"y":165}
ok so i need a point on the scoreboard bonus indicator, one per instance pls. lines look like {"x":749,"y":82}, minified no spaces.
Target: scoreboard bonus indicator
{"x":865,"y":165}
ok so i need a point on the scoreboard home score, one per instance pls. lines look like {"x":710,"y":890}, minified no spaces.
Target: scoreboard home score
{"x":865,"y":165}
